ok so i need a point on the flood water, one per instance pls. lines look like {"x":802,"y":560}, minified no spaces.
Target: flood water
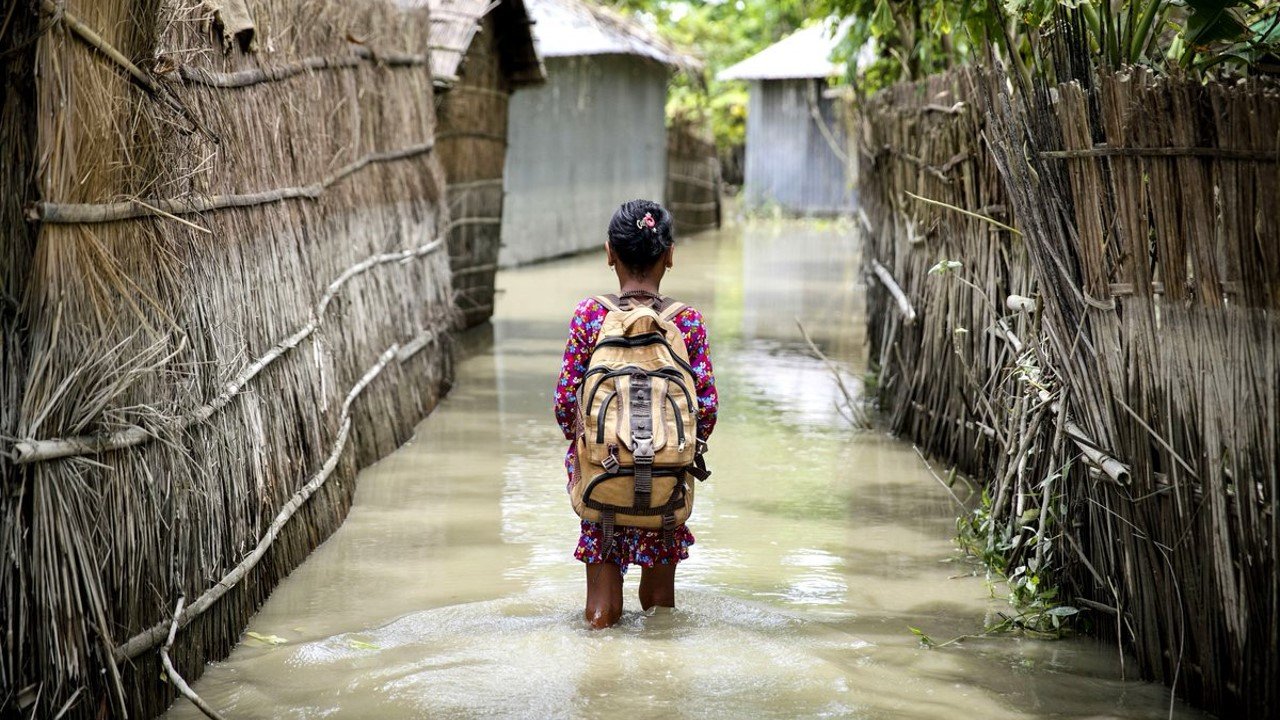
{"x":451,"y":590}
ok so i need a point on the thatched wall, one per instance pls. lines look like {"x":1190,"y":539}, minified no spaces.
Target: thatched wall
{"x":473,"y":147}
{"x":1125,"y":412}
{"x":693,"y":177}
{"x":232,"y":293}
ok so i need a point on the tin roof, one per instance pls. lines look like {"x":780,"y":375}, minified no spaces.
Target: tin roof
{"x":806,"y":53}
{"x":579,"y":27}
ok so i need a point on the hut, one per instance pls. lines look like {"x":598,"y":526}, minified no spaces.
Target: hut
{"x":795,"y":148}
{"x":480,"y":52}
{"x":592,"y":137}
{"x":694,"y":185}
{"x":224,"y":291}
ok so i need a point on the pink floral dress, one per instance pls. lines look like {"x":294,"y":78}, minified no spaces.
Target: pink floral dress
{"x":633,"y":545}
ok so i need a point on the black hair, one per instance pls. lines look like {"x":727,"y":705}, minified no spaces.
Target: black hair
{"x":637,"y":245}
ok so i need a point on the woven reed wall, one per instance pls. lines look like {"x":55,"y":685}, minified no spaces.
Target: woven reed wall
{"x":473,"y":147}
{"x":1144,"y":359}
{"x":232,"y":292}
{"x":693,"y":178}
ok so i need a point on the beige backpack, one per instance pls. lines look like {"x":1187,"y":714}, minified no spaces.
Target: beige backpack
{"x":637,"y":439}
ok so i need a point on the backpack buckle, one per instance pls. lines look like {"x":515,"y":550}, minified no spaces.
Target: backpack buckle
{"x":610,"y":462}
{"x":642,"y":449}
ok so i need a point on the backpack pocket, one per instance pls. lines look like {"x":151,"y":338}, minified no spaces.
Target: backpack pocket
{"x":615,"y":491}
{"x":664,"y":409}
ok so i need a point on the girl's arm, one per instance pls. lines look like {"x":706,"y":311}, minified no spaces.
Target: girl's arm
{"x":583,"y":329}
{"x":704,"y":379}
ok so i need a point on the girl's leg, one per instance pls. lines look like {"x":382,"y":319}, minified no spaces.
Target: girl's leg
{"x":658,"y":586}
{"x":604,"y":594}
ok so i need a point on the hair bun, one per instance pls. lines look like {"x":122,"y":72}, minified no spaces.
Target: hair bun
{"x":639,"y":233}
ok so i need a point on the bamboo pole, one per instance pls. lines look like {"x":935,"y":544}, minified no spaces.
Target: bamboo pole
{"x":1259,"y":156}
{"x":29,"y":451}
{"x":149,"y":638}
{"x":90,"y":37}
{"x":172,"y":672}
{"x":904,"y":304}
{"x":256,"y":76}
{"x":1113,"y":468}
{"x":53,"y":212}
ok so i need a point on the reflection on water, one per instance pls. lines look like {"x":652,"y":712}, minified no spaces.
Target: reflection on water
{"x":451,"y":591}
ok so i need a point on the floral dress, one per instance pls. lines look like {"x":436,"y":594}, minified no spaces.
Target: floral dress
{"x":633,"y":545}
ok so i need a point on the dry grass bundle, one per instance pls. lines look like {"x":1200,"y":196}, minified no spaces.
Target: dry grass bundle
{"x":1095,"y":366}
{"x":694,"y":186}
{"x":241,"y":229}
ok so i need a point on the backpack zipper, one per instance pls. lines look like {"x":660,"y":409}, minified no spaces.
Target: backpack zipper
{"x":646,"y":339}
{"x":604,"y":410}
{"x":675,"y":377}
{"x":664,"y":373}
{"x":674,"y":472}
{"x":679,"y":423}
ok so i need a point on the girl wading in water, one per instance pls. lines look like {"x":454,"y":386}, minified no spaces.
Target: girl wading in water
{"x":639,"y":363}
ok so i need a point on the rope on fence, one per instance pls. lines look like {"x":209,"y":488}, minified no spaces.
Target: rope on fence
{"x":150,"y":637}
{"x":52,"y":212}
{"x":29,"y":451}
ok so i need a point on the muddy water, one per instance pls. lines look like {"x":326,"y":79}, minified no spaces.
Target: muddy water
{"x":450,"y":591}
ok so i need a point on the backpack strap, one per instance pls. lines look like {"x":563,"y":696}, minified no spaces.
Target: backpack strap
{"x":671,"y":309}
{"x":610,"y":302}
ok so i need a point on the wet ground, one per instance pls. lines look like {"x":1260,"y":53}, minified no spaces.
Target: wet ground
{"x":451,"y":591}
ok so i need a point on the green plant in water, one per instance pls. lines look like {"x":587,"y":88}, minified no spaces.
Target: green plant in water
{"x":1030,"y":582}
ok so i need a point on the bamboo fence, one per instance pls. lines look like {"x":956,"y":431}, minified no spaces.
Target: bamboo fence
{"x":225,"y":290}
{"x":694,"y":187}
{"x":1126,"y":329}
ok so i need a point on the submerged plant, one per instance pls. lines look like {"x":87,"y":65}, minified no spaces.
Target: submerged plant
{"x":1023,"y":560}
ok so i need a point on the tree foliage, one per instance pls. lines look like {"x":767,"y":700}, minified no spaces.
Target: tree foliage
{"x":914,"y":38}
{"x":721,"y":32}
{"x":918,"y":37}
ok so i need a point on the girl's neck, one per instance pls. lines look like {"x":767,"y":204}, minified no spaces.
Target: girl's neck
{"x":638,"y":285}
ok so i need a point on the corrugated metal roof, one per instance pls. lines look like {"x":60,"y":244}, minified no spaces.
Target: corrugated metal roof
{"x":576,"y":27}
{"x":805,"y":53}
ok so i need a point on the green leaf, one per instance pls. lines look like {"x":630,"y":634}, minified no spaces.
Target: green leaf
{"x":882,"y":22}
{"x":1212,"y":21}
{"x":924,"y":639}
{"x":268,"y":639}
{"x":362,"y":645}
{"x":940,"y":17}
{"x":945,"y":266}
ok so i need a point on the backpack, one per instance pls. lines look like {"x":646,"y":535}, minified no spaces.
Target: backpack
{"x":637,"y":438}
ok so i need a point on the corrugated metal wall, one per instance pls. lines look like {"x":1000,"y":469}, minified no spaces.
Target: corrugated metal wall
{"x":789,"y":162}
{"x":591,"y":138}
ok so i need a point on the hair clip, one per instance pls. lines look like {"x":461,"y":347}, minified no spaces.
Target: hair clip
{"x":646,"y":222}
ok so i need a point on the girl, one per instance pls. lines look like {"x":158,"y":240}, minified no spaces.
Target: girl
{"x":640,"y":249}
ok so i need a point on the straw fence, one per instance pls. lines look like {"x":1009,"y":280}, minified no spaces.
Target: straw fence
{"x":694,"y":187}
{"x":229,"y":291}
{"x":1109,"y":367}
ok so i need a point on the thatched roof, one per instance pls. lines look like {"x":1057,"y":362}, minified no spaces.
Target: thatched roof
{"x":806,"y":53}
{"x":567,"y":28}
{"x":454,"y":23}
